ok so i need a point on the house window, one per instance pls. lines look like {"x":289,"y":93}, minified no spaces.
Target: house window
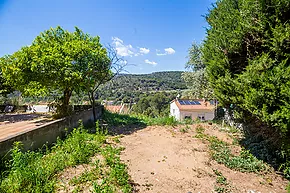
{"x":201,"y":117}
{"x":187,"y":117}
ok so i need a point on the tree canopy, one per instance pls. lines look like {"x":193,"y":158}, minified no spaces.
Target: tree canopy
{"x":246,"y":53}
{"x":57,"y":61}
{"x":196,"y":78}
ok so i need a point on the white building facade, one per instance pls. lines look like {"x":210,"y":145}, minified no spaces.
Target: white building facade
{"x":192,"y":109}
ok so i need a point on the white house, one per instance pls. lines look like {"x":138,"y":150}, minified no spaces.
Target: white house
{"x":192,"y":109}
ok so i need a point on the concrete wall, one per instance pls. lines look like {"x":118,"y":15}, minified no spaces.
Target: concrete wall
{"x":48,"y":133}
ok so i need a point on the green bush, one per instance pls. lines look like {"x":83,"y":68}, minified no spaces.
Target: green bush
{"x":246,"y":53}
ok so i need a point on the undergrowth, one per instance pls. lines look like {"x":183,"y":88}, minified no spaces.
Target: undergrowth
{"x":35,"y":171}
{"x":220,"y":152}
{"x":115,"y":119}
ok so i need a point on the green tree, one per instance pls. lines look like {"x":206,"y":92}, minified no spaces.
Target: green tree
{"x":196,"y":78}
{"x":247,"y":53}
{"x":5,"y":88}
{"x":100,"y":65}
{"x":58,"y":61}
{"x":159,"y":104}
{"x":154,"y":105}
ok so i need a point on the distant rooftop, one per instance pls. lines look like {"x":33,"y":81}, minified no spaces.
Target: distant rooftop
{"x":197,"y":104}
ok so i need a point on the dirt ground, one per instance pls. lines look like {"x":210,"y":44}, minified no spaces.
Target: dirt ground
{"x":163,"y":159}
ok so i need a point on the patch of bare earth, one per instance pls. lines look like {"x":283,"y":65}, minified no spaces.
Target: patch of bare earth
{"x":164,"y":159}
{"x":65,"y":177}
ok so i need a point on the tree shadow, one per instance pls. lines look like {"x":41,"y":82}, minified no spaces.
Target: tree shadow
{"x":118,"y":124}
{"x":263,"y":143}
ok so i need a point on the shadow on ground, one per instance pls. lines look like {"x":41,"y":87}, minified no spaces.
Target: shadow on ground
{"x":19,"y":117}
{"x":117,"y":124}
{"x":265,"y":143}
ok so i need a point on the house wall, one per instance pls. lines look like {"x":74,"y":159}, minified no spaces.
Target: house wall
{"x":174,"y":111}
{"x":208,"y":115}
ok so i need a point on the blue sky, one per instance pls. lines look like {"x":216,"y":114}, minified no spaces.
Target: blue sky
{"x":154,"y":35}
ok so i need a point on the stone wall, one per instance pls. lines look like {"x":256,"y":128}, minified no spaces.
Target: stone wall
{"x":48,"y":133}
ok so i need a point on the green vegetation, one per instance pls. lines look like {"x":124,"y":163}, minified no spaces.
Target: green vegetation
{"x":133,"y":87}
{"x":4,"y":87}
{"x":116,"y":174}
{"x":154,"y":105}
{"x":196,"y":78}
{"x":246,"y":57}
{"x":222,"y":183}
{"x":220,"y":151}
{"x":37,"y":172}
{"x":113,"y":119}
{"x":58,"y":63}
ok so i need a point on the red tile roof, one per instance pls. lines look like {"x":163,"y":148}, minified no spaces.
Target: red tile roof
{"x":115,"y":108}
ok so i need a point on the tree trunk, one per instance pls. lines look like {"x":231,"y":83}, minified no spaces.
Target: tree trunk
{"x":93,"y":102}
{"x":65,"y":103}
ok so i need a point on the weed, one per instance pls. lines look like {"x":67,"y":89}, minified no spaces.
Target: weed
{"x":116,"y":139}
{"x":222,"y":183}
{"x":220,"y":189}
{"x":37,"y":172}
{"x":288,"y":187}
{"x":183,"y":130}
{"x":220,"y":151}
{"x":200,"y":132}
{"x":188,"y":121}
{"x":118,"y":177}
{"x":220,"y":178}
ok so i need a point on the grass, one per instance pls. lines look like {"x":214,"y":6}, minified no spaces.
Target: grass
{"x":114,"y":119}
{"x":38,"y":172}
{"x":115,"y":171}
{"x":220,"y":152}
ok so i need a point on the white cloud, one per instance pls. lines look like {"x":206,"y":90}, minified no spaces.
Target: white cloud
{"x":150,"y":62}
{"x":122,"y":49}
{"x":144,"y":50}
{"x":167,"y":51}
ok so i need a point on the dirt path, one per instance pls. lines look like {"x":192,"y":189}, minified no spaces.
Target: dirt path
{"x":163,"y":159}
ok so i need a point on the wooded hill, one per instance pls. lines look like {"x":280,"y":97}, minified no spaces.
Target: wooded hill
{"x":127,"y":86}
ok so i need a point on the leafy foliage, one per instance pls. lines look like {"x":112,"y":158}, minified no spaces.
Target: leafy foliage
{"x":196,"y":79}
{"x":5,"y":88}
{"x":246,"y":53}
{"x":154,"y":105}
{"x":57,"y":61}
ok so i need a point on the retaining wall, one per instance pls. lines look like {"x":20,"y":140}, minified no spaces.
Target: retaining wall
{"x":48,"y":133}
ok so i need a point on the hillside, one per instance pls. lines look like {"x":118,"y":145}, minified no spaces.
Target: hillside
{"x":128,"y":86}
